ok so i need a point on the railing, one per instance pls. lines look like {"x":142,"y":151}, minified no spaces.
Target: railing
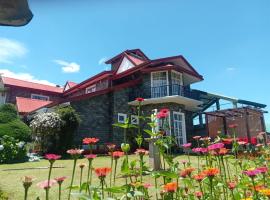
{"x":162,"y":91}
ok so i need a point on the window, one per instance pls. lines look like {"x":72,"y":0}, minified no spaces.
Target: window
{"x":159,"y":84}
{"x":179,"y":128}
{"x":122,"y":117}
{"x":134,"y":119}
{"x":90,"y":89}
{"x":177,"y":82}
{"x":39,"y":97}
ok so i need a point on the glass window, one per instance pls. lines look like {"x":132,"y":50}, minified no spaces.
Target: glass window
{"x":40,"y":97}
{"x":90,"y":89}
{"x":122,"y":117}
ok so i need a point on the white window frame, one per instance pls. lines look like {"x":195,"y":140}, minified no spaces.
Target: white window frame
{"x":43,"y":96}
{"x":136,"y":118}
{"x":121,"y":115}
{"x":181,"y":76}
{"x":184,"y":134}
{"x":167,"y":80}
{"x":91,"y":87}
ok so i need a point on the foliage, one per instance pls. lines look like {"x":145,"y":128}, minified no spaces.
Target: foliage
{"x":46,"y":128}
{"x":70,"y":122}
{"x":11,"y":150}
{"x":11,"y":124}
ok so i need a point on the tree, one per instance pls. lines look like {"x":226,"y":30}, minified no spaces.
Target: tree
{"x":70,"y":123}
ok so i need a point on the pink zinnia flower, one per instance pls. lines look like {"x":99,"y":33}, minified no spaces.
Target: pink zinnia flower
{"x":60,"y":180}
{"x":147,"y":185}
{"x":163,"y":113}
{"x":200,"y":150}
{"x":242,"y":142}
{"x":187,"y":145}
{"x":52,"y":157}
{"x":252,"y":173}
{"x":46,"y":185}
{"x":90,"y":156}
{"x":197,"y":137}
{"x":263,"y":170}
{"x":90,"y":141}
{"x":75,"y":153}
{"x":215,"y":146}
{"x":141,"y":152}
{"x":117,"y":154}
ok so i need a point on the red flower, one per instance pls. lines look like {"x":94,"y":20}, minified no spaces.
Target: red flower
{"x":52,"y":157}
{"x":163,"y":113}
{"x":90,"y":156}
{"x":231,"y":185}
{"x":233,"y":125}
{"x":102,"y":172}
{"x":139,"y":99}
{"x":141,"y":152}
{"x":60,"y":180}
{"x":198,"y":194}
{"x":90,"y":140}
{"x":117,"y":154}
{"x":170,"y":187}
{"x":227,"y":140}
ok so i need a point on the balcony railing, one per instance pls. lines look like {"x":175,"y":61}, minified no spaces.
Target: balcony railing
{"x":163,"y":91}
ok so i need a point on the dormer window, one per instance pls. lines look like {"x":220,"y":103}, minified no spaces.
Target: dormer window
{"x":90,"y":89}
{"x":40,"y":97}
{"x":125,"y":65}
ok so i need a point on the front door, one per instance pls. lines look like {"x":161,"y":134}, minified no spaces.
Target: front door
{"x":179,"y":128}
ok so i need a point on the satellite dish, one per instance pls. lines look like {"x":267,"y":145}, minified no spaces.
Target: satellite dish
{"x":14,"y":13}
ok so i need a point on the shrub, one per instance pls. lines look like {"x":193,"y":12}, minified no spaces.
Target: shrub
{"x":70,"y":122}
{"x":12,"y":150}
{"x":46,"y":127}
{"x":11,"y":124}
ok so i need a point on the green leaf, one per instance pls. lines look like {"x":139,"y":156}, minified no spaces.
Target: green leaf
{"x":124,"y":167}
{"x":115,"y":189}
{"x":81,"y":196}
{"x":168,"y":174}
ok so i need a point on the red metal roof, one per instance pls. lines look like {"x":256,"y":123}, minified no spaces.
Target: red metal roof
{"x":135,"y":60}
{"x":27,"y":84}
{"x":26,"y":105}
{"x":71,"y":84}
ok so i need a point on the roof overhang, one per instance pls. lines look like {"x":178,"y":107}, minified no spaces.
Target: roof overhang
{"x":190,"y":104}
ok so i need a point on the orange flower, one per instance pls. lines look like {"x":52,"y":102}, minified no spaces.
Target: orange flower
{"x":222,"y":151}
{"x":103,"y":171}
{"x":186,"y":172}
{"x":211,"y":172}
{"x":90,"y":140}
{"x":170,"y":187}
{"x":265,"y":192}
{"x":199,"y":177}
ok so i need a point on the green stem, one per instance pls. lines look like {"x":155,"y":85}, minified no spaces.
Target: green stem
{"x":81,"y":179}
{"x":49,"y":177}
{"x":59,"y":192}
{"x":72,"y":178}
{"x":114,"y":175}
{"x":254,"y":187}
{"x":111,"y":168}
{"x":25,"y":193}
{"x":47,"y":193}
{"x":141,"y":168}
{"x":102,"y":188}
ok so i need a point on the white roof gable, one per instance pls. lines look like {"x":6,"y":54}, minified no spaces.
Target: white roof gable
{"x":125,"y":65}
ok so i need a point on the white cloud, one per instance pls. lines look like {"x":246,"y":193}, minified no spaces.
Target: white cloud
{"x":23,"y":76}
{"x":10,"y":49}
{"x":102,"y":60}
{"x":230,"y":68}
{"x":67,"y":67}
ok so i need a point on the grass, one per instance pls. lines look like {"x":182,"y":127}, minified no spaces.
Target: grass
{"x":10,"y":181}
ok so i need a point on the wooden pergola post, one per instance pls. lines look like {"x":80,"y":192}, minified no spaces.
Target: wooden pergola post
{"x":247,"y":124}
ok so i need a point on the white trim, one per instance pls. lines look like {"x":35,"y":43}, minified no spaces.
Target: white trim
{"x":42,"y":96}
{"x":184,"y":134}
{"x":90,"y":87}
{"x":121,"y":115}
{"x":181,"y":76}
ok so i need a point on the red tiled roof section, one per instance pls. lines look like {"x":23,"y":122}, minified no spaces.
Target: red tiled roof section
{"x":26,"y":105}
{"x":27,"y":84}
{"x":135,"y":60}
{"x":71,"y":84}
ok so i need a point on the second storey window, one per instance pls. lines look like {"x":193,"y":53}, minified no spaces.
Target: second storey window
{"x":40,"y":97}
{"x":177,"y":82}
{"x":90,"y":89}
{"x":159,"y":84}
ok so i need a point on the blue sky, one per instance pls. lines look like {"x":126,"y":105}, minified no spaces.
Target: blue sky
{"x":226,"y":41}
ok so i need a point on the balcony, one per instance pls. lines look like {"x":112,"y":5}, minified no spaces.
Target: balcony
{"x":167,"y":94}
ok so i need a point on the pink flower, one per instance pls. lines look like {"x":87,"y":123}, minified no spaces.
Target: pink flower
{"x":200,"y":150}
{"x":215,"y":146}
{"x":90,"y":156}
{"x":263,"y":170}
{"x":252,"y":173}
{"x":141,"y":152}
{"x":233,"y":125}
{"x":186,"y":146}
{"x":147,"y":185}
{"x":197,"y":137}
{"x":60,"y":180}
{"x":242,"y":142}
{"x":163,"y":113}
{"x":46,"y":185}
{"x":75,"y":153}
{"x":52,"y":157}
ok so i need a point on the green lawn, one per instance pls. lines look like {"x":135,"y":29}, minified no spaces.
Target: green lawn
{"x":10,"y":181}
